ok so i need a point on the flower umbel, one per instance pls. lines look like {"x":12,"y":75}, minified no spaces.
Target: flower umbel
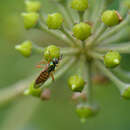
{"x":89,"y":41}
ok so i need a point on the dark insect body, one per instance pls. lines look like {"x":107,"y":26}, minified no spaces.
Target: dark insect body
{"x":46,"y":73}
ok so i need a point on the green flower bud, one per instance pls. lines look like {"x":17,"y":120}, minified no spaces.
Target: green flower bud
{"x":25,"y":48}
{"x":51,"y":52}
{"x":125,"y":93}
{"x":85,"y":111}
{"x":76,"y":83}
{"x":112,"y":59}
{"x":32,"y":6}
{"x":82,"y":31}
{"x":80,"y":5}
{"x":54,"y":21}
{"x":30,"y":19}
{"x":110,"y":18}
{"x":32,"y":91}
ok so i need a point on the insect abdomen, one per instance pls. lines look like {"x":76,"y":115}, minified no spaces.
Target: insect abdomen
{"x":44,"y":75}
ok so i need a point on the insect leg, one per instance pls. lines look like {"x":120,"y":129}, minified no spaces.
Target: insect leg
{"x":52,"y":76}
{"x":39,"y":64}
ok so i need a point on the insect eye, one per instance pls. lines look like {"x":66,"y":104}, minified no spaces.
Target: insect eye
{"x":56,"y":61}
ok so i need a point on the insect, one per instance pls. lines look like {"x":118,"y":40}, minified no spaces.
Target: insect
{"x":47,"y":72}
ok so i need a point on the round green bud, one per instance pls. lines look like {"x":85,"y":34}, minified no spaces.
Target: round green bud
{"x":82,"y":31}
{"x":33,"y":91}
{"x":125,"y":93}
{"x":32,"y":6}
{"x":30,"y":19}
{"x":51,"y":52}
{"x":80,"y":5}
{"x":76,"y":83}
{"x":110,"y":18}
{"x":85,"y":111}
{"x":112,"y":59}
{"x":54,"y":21}
{"x":25,"y":48}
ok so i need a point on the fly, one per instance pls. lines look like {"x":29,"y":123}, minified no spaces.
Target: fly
{"x":47,"y":72}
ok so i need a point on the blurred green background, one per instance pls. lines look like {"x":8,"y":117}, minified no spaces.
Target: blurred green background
{"x":29,"y":113}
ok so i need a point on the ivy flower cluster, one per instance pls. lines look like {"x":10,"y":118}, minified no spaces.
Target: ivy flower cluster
{"x":90,"y":34}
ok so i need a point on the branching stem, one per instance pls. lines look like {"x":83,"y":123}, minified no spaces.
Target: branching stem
{"x":120,"y":85}
{"x":16,"y":90}
{"x":122,"y":74}
{"x":121,"y":48}
{"x":114,"y":30}
{"x":66,"y":15}
{"x":65,"y":51}
{"x":81,"y":16}
{"x":94,"y":37}
{"x":98,"y":17}
{"x":89,"y":82}
{"x":67,"y":34}
{"x":56,"y":34}
{"x":96,"y":55}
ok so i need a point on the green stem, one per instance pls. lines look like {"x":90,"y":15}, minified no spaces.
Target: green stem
{"x":87,"y":15}
{"x":120,"y":85}
{"x":60,"y":72}
{"x":74,"y":41}
{"x":37,"y":49}
{"x":66,"y":51}
{"x":122,"y":74}
{"x":121,"y":48}
{"x":80,"y":66}
{"x":65,"y":14}
{"x":69,"y":51}
{"x":123,"y":10}
{"x":88,"y":12}
{"x":70,"y":12}
{"x":89,"y":81}
{"x":96,"y":55}
{"x":81,"y":16}
{"x":16,"y":90}
{"x":97,"y":22}
{"x":113,"y":30}
{"x":56,"y":34}
{"x":93,"y":38}
{"x":121,"y":36}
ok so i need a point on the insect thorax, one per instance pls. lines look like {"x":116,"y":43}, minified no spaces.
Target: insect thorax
{"x":51,"y":67}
